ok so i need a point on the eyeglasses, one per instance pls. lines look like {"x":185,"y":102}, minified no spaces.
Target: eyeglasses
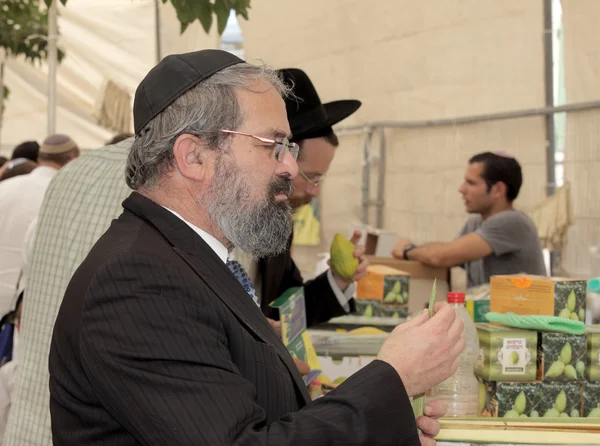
{"x":281,"y":146}
{"x":315,"y":182}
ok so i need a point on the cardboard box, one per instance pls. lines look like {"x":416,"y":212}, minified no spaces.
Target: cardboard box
{"x":537,"y":295}
{"x":508,"y":400}
{"x":421,"y":280}
{"x":506,"y":354}
{"x":591,"y":399}
{"x":593,"y":353}
{"x":292,"y":314}
{"x":380,"y":243}
{"x":560,"y":399}
{"x":563,"y":356}
{"x":383,"y":292}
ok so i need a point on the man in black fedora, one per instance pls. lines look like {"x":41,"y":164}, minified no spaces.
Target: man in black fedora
{"x":311,"y":122}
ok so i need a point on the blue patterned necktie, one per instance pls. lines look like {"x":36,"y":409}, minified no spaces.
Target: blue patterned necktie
{"x":242,"y":276}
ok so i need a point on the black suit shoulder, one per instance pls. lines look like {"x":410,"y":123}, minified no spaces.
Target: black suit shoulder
{"x":157,"y":345}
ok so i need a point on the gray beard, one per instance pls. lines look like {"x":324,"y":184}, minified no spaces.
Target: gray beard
{"x":259,"y":229}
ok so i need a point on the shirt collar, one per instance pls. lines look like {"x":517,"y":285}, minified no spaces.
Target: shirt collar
{"x":214,"y":244}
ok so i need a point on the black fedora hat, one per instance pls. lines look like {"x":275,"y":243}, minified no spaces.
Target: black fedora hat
{"x":308,"y":117}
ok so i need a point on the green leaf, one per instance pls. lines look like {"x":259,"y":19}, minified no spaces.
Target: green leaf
{"x":241,"y":8}
{"x":204,"y":10}
{"x":23,"y":29}
{"x":184,"y":26}
{"x":222,"y":8}
{"x":49,"y":2}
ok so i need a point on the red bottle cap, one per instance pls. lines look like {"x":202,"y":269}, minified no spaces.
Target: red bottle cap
{"x":456,"y":298}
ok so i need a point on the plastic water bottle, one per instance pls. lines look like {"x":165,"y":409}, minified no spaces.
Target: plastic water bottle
{"x":461,"y":391}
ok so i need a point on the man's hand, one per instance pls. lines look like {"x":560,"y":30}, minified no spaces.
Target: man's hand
{"x":398,"y":249}
{"x":429,"y":424}
{"x":424,"y":351}
{"x":302,"y":366}
{"x":361,"y":270}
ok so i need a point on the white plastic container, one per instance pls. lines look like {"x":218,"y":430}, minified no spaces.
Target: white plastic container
{"x":461,"y":391}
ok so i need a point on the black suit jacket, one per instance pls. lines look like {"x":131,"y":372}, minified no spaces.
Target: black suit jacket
{"x":280,"y":273}
{"x":156,"y":343}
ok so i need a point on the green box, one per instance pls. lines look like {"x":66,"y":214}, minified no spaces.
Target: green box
{"x":477,"y":309}
{"x":563,"y":356}
{"x":560,"y":399}
{"x":593,"y":353}
{"x":508,"y":400}
{"x":506,"y":354}
{"x":591,"y":399}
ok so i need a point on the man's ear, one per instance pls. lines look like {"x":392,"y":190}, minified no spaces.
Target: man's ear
{"x":499,"y":189}
{"x":188,"y":152}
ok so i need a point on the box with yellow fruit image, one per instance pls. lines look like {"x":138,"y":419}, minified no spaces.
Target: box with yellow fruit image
{"x":506,"y":354}
{"x":593,"y":353}
{"x":383,"y":292}
{"x":508,"y":400}
{"x":292,"y":315}
{"x":563,"y":356}
{"x":539,"y":295}
{"x":591,"y":399}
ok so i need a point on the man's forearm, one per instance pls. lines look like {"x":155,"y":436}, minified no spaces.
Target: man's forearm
{"x":432,"y":254}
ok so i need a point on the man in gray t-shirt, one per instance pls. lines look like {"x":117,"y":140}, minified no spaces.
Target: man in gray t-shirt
{"x":499,"y":240}
{"x":515,"y":245}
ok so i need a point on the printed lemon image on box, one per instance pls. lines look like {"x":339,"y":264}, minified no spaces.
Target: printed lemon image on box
{"x":560,"y":400}
{"x":538,"y":295}
{"x":383,"y":292}
{"x":563,"y":356}
{"x":591,"y":399}
{"x":593,"y":353}
{"x":506,"y":354}
{"x":509,"y":400}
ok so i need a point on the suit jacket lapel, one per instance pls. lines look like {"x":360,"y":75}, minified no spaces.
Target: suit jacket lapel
{"x":271,"y":272}
{"x":211,"y":269}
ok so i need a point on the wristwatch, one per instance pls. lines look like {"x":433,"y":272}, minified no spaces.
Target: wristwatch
{"x":406,"y":249}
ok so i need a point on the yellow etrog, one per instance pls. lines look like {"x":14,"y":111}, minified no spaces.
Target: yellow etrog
{"x":343,"y":261}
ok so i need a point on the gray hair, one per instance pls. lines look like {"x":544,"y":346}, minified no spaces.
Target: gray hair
{"x":203,"y":111}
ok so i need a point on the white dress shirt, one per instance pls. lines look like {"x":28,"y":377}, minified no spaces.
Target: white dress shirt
{"x":214,"y":244}
{"x":20,"y":202}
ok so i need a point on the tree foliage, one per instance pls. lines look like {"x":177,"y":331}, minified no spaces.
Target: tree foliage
{"x":189,"y":11}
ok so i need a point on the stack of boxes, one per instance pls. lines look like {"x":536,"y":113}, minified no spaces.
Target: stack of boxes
{"x":525,"y":373}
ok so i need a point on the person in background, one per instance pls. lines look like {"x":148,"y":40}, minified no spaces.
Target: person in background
{"x":20,"y":200}
{"x":8,"y":371}
{"x":159,"y":338}
{"x":82,"y":200}
{"x":118,"y":138}
{"x":498,"y":239}
{"x":27,"y":149}
{"x":16,"y":167}
{"x":311,"y":121}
